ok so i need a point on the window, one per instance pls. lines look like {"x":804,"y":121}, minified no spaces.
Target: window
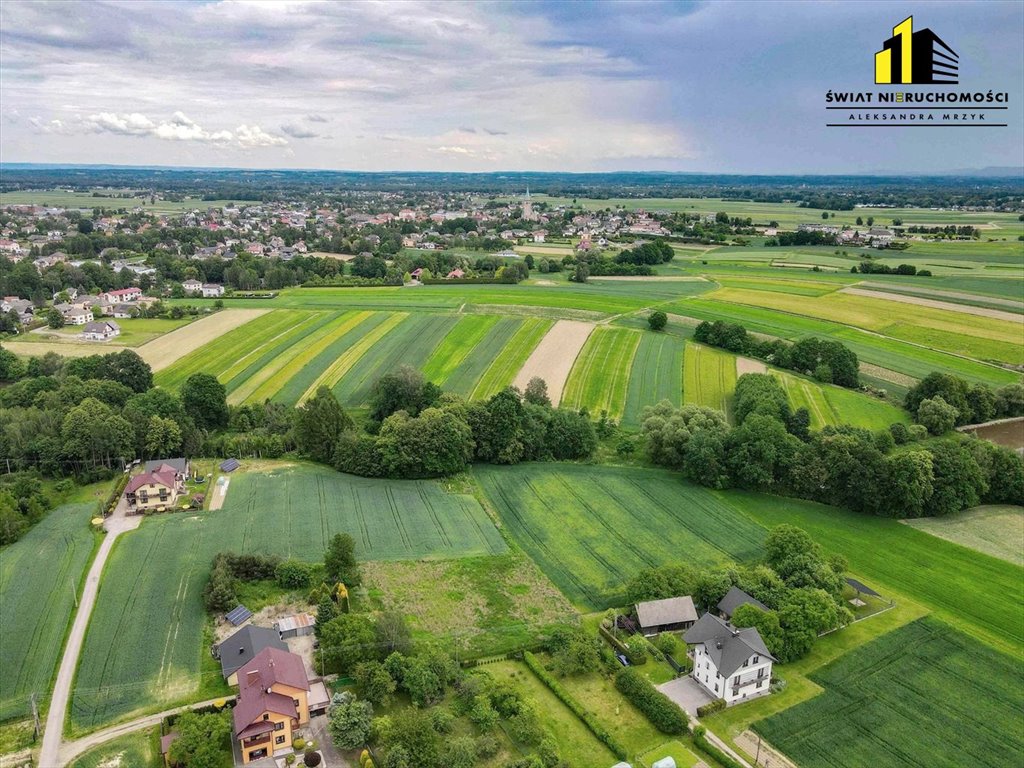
{"x":279,"y":740}
{"x":757,"y":659}
{"x":759,"y":683}
{"x":266,"y":716}
{"x":296,"y":702}
{"x":716,"y":687}
{"x":279,"y":726}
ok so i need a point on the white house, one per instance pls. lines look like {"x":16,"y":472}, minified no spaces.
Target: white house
{"x":77,"y":316}
{"x":731,"y":664}
{"x":121,"y":295}
{"x":102,"y":330}
{"x":192,"y":286}
{"x":212,"y":290}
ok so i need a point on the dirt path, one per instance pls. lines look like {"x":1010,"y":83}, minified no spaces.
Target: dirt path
{"x":747,"y":365}
{"x":748,"y":741}
{"x":220,"y":490}
{"x":53,"y":734}
{"x":164,"y":350}
{"x":553,"y":358}
{"x":72,"y":749}
{"x":995,"y":314}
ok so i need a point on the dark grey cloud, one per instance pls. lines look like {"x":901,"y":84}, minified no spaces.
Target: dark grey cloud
{"x":299,"y":132}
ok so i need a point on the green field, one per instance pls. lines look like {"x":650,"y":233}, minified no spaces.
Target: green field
{"x":134,"y":332}
{"x":140,"y":749}
{"x":965,"y":588}
{"x":600,"y":376}
{"x":102,"y":199}
{"x":143,"y":646}
{"x":996,"y":530}
{"x":831,"y":405}
{"x":591,"y":528}
{"x":709,"y":377}
{"x":657,"y":375}
{"x":459,"y":344}
{"x":39,"y":578}
{"x":503,"y":367}
{"x":922,"y":695}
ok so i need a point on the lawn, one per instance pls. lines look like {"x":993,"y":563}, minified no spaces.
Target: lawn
{"x":140,"y":749}
{"x":601,"y":373}
{"x":134,"y":332}
{"x":965,"y":588}
{"x":591,"y":528}
{"x":657,"y":375}
{"x":890,"y":703}
{"x":143,"y":648}
{"x":476,"y":606}
{"x":996,"y":530}
{"x":709,"y":377}
{"x":40,"y":575}
{"x":576,"y":743}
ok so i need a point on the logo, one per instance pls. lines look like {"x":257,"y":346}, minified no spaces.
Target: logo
{"x":915,"y":58}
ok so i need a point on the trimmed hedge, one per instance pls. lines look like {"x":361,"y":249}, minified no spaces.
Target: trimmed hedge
{"x":577,"y":709}
{"x":711,"y":707}
{"x":659,"y":708}
{"x":701,"y":741}
{"x":107,"y":508}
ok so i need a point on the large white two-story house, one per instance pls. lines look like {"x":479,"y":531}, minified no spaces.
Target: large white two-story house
{"x":729,"y":663}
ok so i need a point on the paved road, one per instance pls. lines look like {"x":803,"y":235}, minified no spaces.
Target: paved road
{"x":49,"y":755}
{"x":70,"y":750}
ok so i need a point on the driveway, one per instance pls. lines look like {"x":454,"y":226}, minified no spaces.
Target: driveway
{"x":687,"y":693}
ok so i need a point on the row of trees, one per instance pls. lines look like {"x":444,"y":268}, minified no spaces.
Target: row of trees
{"x":941,"y":401}
{"x":415,"y":430}
{"x":802,"y":588}
{"x":827,"y":361}
{"x":888,"y":473}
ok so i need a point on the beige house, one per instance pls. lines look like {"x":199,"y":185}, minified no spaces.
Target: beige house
{"x":272,"y":702}
{"x":153,"y":491}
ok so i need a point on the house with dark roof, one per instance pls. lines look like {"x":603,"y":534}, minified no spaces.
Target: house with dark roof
{"x":731,"y":664}
{"x":272,"y":702}
{"x":669,"y":615}
{"x":178,"y":465}
{"x":243,"y":646}
{"x":733,"y":599}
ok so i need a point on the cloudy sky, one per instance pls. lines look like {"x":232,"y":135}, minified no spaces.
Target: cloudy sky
{"x":733,"y":87}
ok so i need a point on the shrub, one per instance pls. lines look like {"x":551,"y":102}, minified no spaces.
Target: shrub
{"x":292,"y":574}
{"x":710,"y":708}
{"x":657,"y":320}
{"x":312,"y":759}
{"x":299,"y":744}
{"x":659,"y":709}
{"x":634,"y":656}
{"x":577,"y":709}
{"x":701,"y":740}
{"x":289,"y":759}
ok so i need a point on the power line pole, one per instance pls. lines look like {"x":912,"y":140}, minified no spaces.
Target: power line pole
{"x":35,"y":718}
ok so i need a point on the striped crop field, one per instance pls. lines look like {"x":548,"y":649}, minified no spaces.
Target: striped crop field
{"x":461,"y":341}
{"x":828,"y":404}
{"x":600,"y":376}
{"x":657,"y":375}
{"x":592,"y":528}
{"x":143,"y":647}
{"x":465,"y":377}
{"x":504,"y":367}
{"x":709,"y":377}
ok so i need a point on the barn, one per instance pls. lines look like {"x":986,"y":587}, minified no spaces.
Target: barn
{"x":669,"y":615}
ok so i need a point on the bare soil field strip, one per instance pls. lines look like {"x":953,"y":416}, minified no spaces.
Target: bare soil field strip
{"x":995,"y":314}
{"x":748,"y":365}
{"x":554,"y":356}
{"x":943,"y":293}
{"x":886,"y":375}
{"x":65,"y":349}
{"x":161,"y":352}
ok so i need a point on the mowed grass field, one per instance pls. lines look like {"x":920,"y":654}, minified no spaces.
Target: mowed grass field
{"x":709,"y":377}
{"x":996,"y":530}
{"x":39,"y":578}
{"x":831,"y":405}
{"x":591,"y":528}
{"x":142,"y":649}
{"x":600,"y":377}
{"x":922,"y":695}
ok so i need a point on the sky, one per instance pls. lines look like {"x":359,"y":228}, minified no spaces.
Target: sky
{"x":716,"y":87}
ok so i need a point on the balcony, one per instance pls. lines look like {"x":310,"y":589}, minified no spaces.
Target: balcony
{"x":256,"y":741}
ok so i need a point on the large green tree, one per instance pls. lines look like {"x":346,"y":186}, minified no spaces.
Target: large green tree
{"x":202,"y":739}
{"x":205,"y":400}
{"x":318,"y":425}
{"x":349,"y":722}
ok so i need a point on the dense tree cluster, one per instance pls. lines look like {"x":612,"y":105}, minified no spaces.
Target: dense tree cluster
{"x":415,"y":430}
{"x":890,"y":473}
{"x":827,"y":361}
{"x":652,"y":253}
{"x":23,"y":502}
{"x":801,"y":587}
{"x":945,"y":397}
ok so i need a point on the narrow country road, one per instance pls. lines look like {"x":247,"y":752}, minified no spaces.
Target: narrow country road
{"x":49,"y":755}
{"x":70,"y":750}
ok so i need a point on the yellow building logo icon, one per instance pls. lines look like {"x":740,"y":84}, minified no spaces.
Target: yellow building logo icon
{"x":915,"y":58}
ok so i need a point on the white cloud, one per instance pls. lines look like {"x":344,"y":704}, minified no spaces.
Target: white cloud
{"x":178,"y":128}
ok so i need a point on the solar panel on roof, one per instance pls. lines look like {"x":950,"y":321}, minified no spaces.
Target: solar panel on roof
{"x":230,"y":465}
{"x":864,"y":589}
{"x":238,"y":614}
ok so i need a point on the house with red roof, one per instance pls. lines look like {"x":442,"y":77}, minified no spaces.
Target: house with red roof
{"x":455,"y":274}
{"x":155,"y":489}
{"x":273,"y":701}
{"x":121,"y":295}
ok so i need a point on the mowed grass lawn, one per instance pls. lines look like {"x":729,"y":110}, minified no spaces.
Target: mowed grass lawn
{"x":143,"y":646}
{"x":600,"y":376}
{"x":591,"y":528}
{"x":134,"y":332}
{"x":981,"y":595}
{"x":709,"y":377}
{"x":39,"y":578}
{"x":922,"y":695}
{"x":994,"y":529}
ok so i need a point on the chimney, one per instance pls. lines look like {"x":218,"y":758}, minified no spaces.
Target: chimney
{"x":252,"y":677}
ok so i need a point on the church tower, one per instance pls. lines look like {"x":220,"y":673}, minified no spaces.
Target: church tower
{"x":528,"y":214}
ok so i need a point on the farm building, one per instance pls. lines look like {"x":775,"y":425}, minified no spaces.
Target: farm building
{"x":273,"y":700}
{"x":669,"y":615}
{"x":299,"y":625}
{"x":102,"y":330}
{"x":243,"y":646}
{"x":733,"y":599}
{"x":731,"y":664}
